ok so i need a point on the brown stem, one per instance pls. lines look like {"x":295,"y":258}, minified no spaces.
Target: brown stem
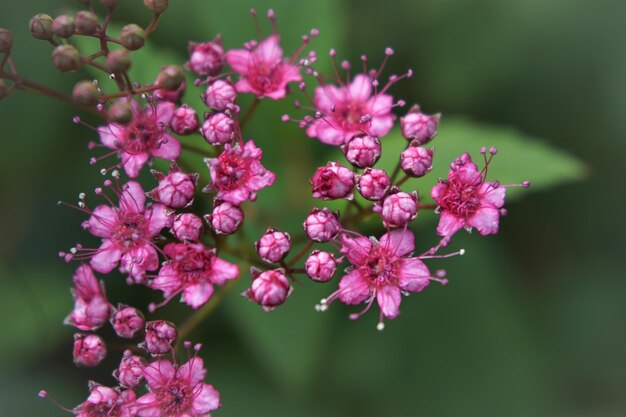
{"x":153,"y":24}
{"x":427,"y":206}
{"x":299,"y":255}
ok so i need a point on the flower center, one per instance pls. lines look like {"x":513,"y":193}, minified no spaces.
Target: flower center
{"x":141,"y":134}
{"x":194,"y":266}
{"x":175,"y":398}
{"x":232,"y":172}
{"x":349,"y":116}
{"x":378,"y":267}
{"x":130,"y":230}
{"x":462,"y":200}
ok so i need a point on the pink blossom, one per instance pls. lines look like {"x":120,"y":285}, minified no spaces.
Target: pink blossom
{"x":184,"y":121}
{"x":419,"y":127}
{"x":143,"y":137}
{"x":373,"y":184}
{"x":130,"y":371}
{"x":416,"y":161}
{"x":322,"y":225}
{"x":225,"y":218}
{"x":263,"y":70}
{"x":89,"y":350}
{"x":237,"y":173}
{"x":160,"y":337}
{"x":273,"y":246}
{"x":193,"y":270}
{"x":187,"y":226}
{"x":127,"y":321}
{"x":176,"y":189}
{"x":177,"y":391}
{"x":91,"y":308}
{"x":333,"y":181}
{"x":269,"y":288}
{"x":218,"y":129}
{"x":397,"y":209}
{"x":106,"y":402}
{"x":320,"y":266}
{"x":206,"y":58}
{"x":362,"y":151}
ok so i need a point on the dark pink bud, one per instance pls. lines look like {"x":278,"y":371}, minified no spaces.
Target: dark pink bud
{"x":273,"y":245}
{"x":398,"y":209}
{"x":373,"y":184}
{"x":218,"y":129}
{"x":176,"y":189}
{"x":184,"y":121}
{"x":187,"y":226}
{"x":416,"y":161}
{"x":89,"y":350}
{"x":173,"y":96}
{"x":225,"y":219}
{"x":160,"y":337}
{"x":320,"y":266}
{"x":362,"y":151}
{"x":220,"y":95}
{"x":419,"y":126}
{"x":91,"y":307}
{"x":333,"y":181}
{"x":206,"y":58}
{"x":322,"y":225}
{"x":127,"y":321}
{"x":269,"y":289}
{"x":130,"y":371}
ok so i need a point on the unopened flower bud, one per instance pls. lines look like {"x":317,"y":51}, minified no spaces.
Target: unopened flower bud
{"x":173,"y":96}
{"x":66,"y":58}
{"x":127,"y":321}
{"x":206,"y":58}
{"x":419,"y":126}
{"x":86,"y":22}
{"x":362,"y":151}
{"x":119,"y":60}
{"x":157,"y":6}
{"x":373,"y":184}
{"x":6,"y":40}
{"x":187,"y":226}
{"x":269,"y":289}
{"x":170,"y":77}
{"x":416,"y":161}
{"x":132,"y":37}
{"x":120,"y":112}
{"x":320,"y":266}
{"x":322,"y":225}
{"x":41,"y":26}
{"x":184,"y":121}
{"x":218,"y":129}
{"x":333,"y":181}
{"x":85,"y":93}
{"x":89,"y":350}
{"x":273,"y":245}
{"x":160,"y":337}
{"x":176,"y":189}
{"x":225,"y":219}
{"x":91,"y":307}
{"x":220,"y":95}
{"x":63,"y":26}
{"x":130,"y":371}
{"x":398,"y":209}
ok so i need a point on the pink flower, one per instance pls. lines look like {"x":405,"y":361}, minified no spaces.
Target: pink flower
{"x":397,"y":209}
{"x":373,"y":184}
{"x":192,"y":270}
{"x":466,"y":200}
{"x":320,"y":266}
{"x":127,"y":232}
{"x":416,"y":161}
{"x":322,"y":225}
{"x":89,"y":350}
{"x":91,"y":308}
{"x":127,"y":321}
{"x":160,"y":337}
{"x":348,"y":110}
{"x":237,"y":173}
{"x":106,"y":402}
{"x":263,"y":70}
{"x":362,"y":151}
{"x":177,"y":391}
{"x":273,"y":246}
{"x":333,"y":181}
{"x":143,"y":137}
{"x":187,"y":226}
{"x":381,"y":271}
{"x":206,"y":58}
{"x":130,"y":371}
{"x":269,"y":288}
{"x":176,"y":189}
{"x":419,"y":127}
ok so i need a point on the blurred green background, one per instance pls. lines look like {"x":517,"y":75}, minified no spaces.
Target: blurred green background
{"x":532,"y":323}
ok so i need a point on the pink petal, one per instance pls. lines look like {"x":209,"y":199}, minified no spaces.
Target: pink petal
{"x":355,"y":249}
{"x":167,"y":280}
{"x":243,"y":86}
{"x":438,"y":191}
{"x":276,"y":94}
{"x":353,"y":288}
{"x":398,"y":242}
{"x":412,"y":274}
{"x":111,"y":135}
{"x":493,"y":197}
{"x":158,"y":217}
{"x":389,"y":298}
{"x":258,"y":182}
{"x":192,"y":371}
{"x":133,"y":163}
{"x":469,"y":174}
{"x":235,"y":197}
{"x":290,"y":73}
{"x":206,"y":398}
{"x":168,"y":148}
{"x":133,"y":199}
{"x":360,"y":88}
{"x":380,"y":105}
{"x":138,"y":260}
{"x":107,"y":257}
{"x":485,"y":220}
{"x":102,"y":221}
{"x":159,"y":373}
{"x":328,"y":96}
{"x":380,"y":125}
{"x":327,"y":133}
{"x":164,"y":112}
{"x":223,"y":271}
{"x":147,"y":406}
{"x":268,"y":52}
{"x":195,"y":295}
{"x":239,"y":60}
{"x":449,"y":224}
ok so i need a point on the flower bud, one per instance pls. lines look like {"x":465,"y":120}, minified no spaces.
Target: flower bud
{"x":218,"y":129}
{"x":173,"y":96}
{"x":397,"y":209}
{"x":220,"y":95}
{"x":373,"y":184}
{"x":91,"y":307}
{"x":120,"y":112}
{"x":63,"y":26}
{"x":419,"y":126}
{"x":89,"y":350}
{"x":6,"y":40}
{"x":322,"y":225}
{"x":86,"y":22}
{"x":320,"y":266}
{"x":132,"y":37}
{"x":176,"y":189}
{"x":41,"y":26}
{"x":225,"y":219}
{"x":130,"y":372}
{"x":66,"y":58}
{"x":127,"y":321}
{"x":119,"y":60}
{"x":333,"y":181}
{"x":184,"y":121}
{"x":269,"y":289}
{"x":160,"y":337}
{"x":273,"y":245}
{"x":206,"y":58}
{"x":157,"y":6}
{"x":170,"y":77}
{"x":416,"y":161}
{"x":187,"y":226}
{"x":85,"y":93}
{"x":362,"y":151}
